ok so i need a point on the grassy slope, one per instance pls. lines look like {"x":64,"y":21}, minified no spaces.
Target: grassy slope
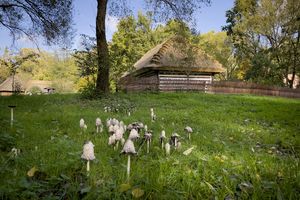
{"x":226,"y":162}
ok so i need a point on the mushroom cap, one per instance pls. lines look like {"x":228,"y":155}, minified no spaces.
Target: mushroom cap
{"x":167,"y":148}
{"x":109,"y":122}
{"x":129,"y":127}
{"x":88,"y":151}
{"x":188,"y":129}
{"x":115,"y":121}
{"x":81,"y":123}
{"x":162,"y":134}
{"x":121,"y":124}
{"x":111,"y":129}
{"x":116,"y":127}
{"x":119,"y":134}
{"x":148,"y":136}
{"x":98,"y":122}
{"x":175,"y":135}
{"x":128,"y":147}
{"x":133,"y":134}
{"x":135,"y":125}
{"x":140,"y":125}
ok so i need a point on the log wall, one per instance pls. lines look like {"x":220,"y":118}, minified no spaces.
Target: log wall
{"x":181,"y":82}
{"x":131,"y":83}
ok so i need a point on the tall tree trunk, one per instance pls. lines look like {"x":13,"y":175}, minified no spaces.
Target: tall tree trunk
{"x":102,"y":83}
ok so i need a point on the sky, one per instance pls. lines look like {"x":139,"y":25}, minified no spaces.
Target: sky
{"x":210,"y":18}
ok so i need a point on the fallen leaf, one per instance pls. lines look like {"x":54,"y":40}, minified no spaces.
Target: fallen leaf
{"x":32,"y":171}
{"x":124,"y":187}
{"x":188,"y":151}
{"x":137,"y":192}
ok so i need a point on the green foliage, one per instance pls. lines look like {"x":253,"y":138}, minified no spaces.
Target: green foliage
{"x":246,"y":147}
{"x":137,"y":36}
{"x":265,"y":36}
{"x":220,"y":47}
{"x":33,"y":19}
{"x":7,"y":142}
{"x":31,"y":64}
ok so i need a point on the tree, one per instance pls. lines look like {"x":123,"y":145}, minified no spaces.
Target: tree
{"x":13,"y":63}
{"x":162,"y":9}
{"x":137,"y":36}
{"x":220,"y":47}
{"x":266,"y":38}
{"x":50,"y":19}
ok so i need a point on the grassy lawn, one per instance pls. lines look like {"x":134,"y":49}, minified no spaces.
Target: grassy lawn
{"x":246,"y":147}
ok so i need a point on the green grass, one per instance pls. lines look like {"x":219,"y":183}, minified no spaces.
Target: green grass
{"x":247,"y":147}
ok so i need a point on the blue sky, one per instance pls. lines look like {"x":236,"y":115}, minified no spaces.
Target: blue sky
{"x":210,"y":18}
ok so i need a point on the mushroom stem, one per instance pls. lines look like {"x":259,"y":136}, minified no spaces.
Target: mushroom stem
{"x":97,"y":129}
{"x":175,"y":142}
{"x":128,"y":167}
{"x":117,"y":144}
{"x":11,"y":116}
{"x":148,"y":146}
{"x":189,"y":135}
{"x":162,"y":144}
{"x":88,"y":166}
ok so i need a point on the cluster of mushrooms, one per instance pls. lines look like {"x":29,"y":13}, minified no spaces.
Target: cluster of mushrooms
{"x":117,"y":130}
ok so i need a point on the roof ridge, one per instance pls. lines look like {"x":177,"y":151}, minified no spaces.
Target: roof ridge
{"x":156,"y":57}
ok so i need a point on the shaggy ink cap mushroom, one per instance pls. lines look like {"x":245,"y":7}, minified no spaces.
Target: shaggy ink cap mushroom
{"x":188,"y":129}
{"x":129,"y":148}
{"x":88,"y":151}
{"x":133,"y":135}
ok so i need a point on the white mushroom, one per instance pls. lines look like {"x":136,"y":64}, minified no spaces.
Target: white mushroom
{"x":111,"y":129}
{"x":133,"y":135}
{"x":189,"y":130}
{"x":11,"y":114}
{"x":168,"y":148}
{"x":88,"y":153}
{"x":116,"y":127}
{"x":128,"y":149}
{"x":15,"y":152}
{"x":178,"y":147}
{"x":81,"y":123}
{"x":174,"y":139}
{"x":112,"y":139}
{"x":119,"y":136}
{"x":115,"y":121}
{"x":153,"y":116}
{"x":148,"y":137}
{"x":162,"y":137}
{"x":108,"y":122}
{"x":99,"y":125}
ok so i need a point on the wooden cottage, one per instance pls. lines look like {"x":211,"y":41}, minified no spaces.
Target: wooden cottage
{"x":16,"y":84}
{"x":171,"y":66}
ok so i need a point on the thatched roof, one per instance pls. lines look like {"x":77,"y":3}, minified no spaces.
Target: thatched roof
{"x":177,"y":55}
{"x":23,"y":85}
{"x":6,"y":86}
